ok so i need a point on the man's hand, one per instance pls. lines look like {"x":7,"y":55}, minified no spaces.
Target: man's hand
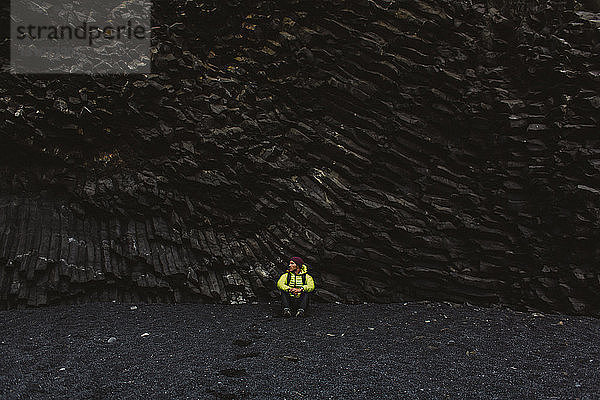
{"x":295,"y":290}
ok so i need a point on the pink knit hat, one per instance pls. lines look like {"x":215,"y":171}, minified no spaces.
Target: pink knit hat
{"x":298,"y":261}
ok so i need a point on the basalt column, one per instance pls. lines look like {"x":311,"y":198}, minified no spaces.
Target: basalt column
{"x":433,"y":149}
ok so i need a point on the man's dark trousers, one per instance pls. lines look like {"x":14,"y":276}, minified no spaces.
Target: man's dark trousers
{"x":287,"y":300}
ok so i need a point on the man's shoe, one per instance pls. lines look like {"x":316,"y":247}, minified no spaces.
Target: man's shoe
{"x":300,"y":313}
{"x":287,"y":312}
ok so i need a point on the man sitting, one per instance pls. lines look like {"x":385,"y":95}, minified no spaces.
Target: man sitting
{"x":295,"y":286}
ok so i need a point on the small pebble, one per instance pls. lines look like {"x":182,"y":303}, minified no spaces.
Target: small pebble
{"x":112,"y":340}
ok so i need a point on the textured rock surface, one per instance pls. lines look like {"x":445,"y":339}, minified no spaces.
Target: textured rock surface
{"x":407,"y":149}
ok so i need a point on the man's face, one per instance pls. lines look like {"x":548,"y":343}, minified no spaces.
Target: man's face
{"x":293,"y":266}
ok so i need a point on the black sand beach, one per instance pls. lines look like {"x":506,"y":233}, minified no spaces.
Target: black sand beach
{"x":418,"y":350}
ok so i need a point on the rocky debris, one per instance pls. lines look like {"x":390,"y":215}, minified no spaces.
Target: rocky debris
{"x":430,"y":149}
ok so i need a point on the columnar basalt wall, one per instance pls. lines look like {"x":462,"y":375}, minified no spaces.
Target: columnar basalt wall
{"x":406,"y":149}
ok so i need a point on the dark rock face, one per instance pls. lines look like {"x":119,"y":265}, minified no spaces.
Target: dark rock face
{"x":418,"y":149}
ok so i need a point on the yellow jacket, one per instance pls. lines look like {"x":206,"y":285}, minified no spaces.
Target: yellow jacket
{"x":295,"y":281}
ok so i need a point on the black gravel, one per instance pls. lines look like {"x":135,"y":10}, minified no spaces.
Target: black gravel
{"x":396,"y":351}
